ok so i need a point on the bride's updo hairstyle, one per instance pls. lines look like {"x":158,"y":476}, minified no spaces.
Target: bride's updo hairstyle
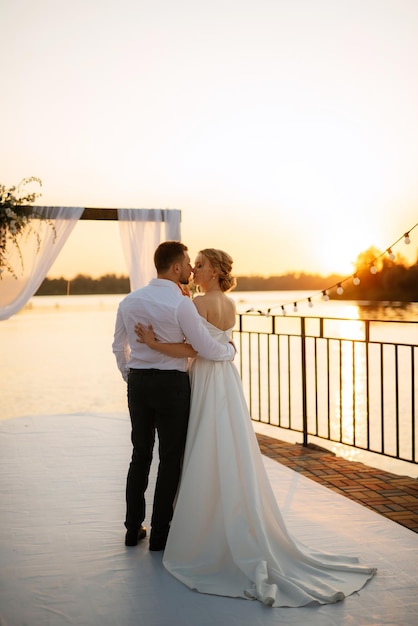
{"x":222,"y":263}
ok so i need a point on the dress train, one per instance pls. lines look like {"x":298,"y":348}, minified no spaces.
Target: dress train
{"x":227,"y":536}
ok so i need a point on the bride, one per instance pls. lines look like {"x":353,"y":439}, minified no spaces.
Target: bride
{"x":227,"y":535}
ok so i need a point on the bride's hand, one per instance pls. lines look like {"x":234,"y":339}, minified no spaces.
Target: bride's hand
{"x":145,"y":335}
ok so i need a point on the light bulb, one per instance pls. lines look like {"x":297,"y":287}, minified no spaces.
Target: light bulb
{"x":310,"y":303}
{"x":295,"y":307}
{"x":391,"y":255}
{"x":407,"y":239}
{"x":340,"y":290}
{"x":325,"y":296}
{"x":373,"y":269}
{"x":283,"y":310}
{"x":356,"y":280}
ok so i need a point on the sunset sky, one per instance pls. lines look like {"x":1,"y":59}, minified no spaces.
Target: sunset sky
{"x":286,"y":131}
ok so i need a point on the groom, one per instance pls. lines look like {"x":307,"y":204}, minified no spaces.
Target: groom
{"x":158,"y":386}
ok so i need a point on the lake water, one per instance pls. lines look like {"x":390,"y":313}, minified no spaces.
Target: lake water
{"x":56,"y":354}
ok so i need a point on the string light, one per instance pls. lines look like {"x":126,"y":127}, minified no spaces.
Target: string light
{"x":354,"y":277}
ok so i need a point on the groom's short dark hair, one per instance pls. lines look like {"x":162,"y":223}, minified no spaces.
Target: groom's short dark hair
{"x":167,"y":253}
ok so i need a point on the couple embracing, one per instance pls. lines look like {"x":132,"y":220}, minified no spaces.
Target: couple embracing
{"x":214,"y":511}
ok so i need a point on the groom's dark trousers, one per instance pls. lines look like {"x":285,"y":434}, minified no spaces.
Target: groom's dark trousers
{"x":158,"y":400}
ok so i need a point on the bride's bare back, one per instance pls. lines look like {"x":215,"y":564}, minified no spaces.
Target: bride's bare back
{"x":217,"y":308}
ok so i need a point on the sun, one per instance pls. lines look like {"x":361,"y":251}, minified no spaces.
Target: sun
{"x":338,"y":251}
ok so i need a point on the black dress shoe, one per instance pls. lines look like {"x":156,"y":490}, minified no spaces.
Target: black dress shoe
{"x":133,"y":535}
{"x":158,"y":539}
{"x":156,"y":546}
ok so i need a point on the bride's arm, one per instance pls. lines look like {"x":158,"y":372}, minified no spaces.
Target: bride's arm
{"x":176,"y":350}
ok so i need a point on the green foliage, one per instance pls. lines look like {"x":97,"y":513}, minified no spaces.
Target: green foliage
{"x":394,"y":282}
{"x":82,"y":285}
{"x":286,"y":282}
{"x":15,"y":219}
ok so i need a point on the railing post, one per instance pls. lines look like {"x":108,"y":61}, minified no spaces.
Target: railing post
{"x":240,"y":345}
{"x":304,"y":403}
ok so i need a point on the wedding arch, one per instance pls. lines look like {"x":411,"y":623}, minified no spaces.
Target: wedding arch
{"x":141,"y":231}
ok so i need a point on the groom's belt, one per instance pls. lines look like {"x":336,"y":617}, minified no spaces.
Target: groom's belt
{"x":155,"y":372}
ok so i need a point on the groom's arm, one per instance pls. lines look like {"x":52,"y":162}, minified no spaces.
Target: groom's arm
{"x":120,"y":346}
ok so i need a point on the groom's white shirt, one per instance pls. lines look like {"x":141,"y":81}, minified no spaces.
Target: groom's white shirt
{"x":174,"y":318}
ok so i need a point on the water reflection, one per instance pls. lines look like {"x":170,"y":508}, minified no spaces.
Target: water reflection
{"x":402,"y":311}
{"x":350,"y":399}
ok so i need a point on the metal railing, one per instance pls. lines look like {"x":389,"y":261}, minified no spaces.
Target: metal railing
{"x":348,"y":381}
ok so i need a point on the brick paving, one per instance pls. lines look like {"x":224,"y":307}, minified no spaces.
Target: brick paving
{"x":390,"y":495}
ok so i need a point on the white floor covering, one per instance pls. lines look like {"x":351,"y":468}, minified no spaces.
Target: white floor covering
{"x":63,"y":560}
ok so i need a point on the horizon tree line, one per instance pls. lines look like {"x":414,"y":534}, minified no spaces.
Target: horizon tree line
{"x":390,"y":280}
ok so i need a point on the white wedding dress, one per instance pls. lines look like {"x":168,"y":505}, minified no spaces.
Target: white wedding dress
{"x":227,"y":536}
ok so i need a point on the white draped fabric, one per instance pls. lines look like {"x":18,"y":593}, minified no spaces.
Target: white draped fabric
{"x":37,"y":257}
{"x":141,"y":231}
